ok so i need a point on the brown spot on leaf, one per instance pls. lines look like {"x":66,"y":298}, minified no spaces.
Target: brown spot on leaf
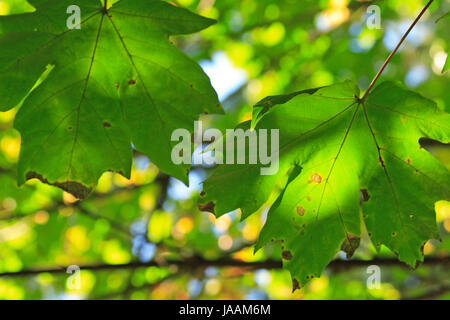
{"x":394,"y":234}
{"x":117,"y":86}
{"x":295,"y":285}
{"x":208,"y":207}
{"x":381,"y":161}
{"x":132,"y":82}
{"x":287,"y":255}
{"x":350,"y":244}
{"x":308,"y":198}
{"x":316,"y":178}
{"x":365,"y":196}
{"x":300,"y":211}
{"x":70,"y":128}
{"x":202,"y":194}
{"x":408,"y":160}
{"x":75,"y":188}
{"x":106,"y":124}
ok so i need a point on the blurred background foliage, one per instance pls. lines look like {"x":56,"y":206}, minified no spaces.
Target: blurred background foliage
{"x":144,"y":238}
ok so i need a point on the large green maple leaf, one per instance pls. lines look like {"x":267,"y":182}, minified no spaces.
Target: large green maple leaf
{"x":342,"y":162}
{"x":115,"y":81}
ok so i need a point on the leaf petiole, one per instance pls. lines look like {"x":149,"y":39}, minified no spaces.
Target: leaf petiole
{"x":394,"y":51}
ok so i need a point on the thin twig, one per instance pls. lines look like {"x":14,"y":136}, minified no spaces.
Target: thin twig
{"x":395,"y":50}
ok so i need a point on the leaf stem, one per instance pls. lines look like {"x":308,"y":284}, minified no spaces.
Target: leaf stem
{"x":395,"y":50}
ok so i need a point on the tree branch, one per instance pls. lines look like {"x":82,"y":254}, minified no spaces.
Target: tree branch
{"x":198,"y":262}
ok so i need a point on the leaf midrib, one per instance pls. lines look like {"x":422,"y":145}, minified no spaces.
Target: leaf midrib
{"x":383,"y":165}
{"x":83,"y":96}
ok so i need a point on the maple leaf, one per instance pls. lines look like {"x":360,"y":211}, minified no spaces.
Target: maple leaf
{"x":117,"y":80}
{"x":343,"y":161}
